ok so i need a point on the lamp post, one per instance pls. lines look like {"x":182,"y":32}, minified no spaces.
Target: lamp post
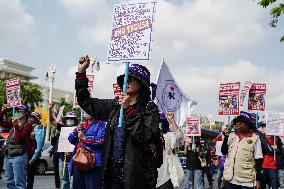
{"x":50,"y":76}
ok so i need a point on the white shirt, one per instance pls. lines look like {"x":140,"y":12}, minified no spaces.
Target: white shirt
{"x":257,"y":155}
{"x":171,"y":142}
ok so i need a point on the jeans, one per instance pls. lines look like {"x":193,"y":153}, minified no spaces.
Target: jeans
{"x":64,"y":177}
{"x":270,"y":177}
{"x":194,"y":178}
{"x":16,"y":171}
{"x":281,"y":178}
{"x":219,"y":176}
{"x":206,"y":170}
{"x":87,"y":180}
{"x":233,"y":186}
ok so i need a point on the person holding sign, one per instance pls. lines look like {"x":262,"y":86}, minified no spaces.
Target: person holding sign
{"x":242,"y":168}
{"x":133,"y":152}
{"x":88,"y":135}
{"x":17,"y":149}
{"x":70,"y":120}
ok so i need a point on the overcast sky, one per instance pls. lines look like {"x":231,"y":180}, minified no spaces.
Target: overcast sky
{"x":204,"y":43}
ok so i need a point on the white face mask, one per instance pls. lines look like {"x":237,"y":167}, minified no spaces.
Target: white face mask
{"x":70,"y":122}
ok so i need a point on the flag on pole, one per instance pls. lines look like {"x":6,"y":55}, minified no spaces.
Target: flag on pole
{"x":170,"y":98}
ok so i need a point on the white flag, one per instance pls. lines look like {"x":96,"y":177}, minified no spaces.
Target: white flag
{"x":170,"y":98}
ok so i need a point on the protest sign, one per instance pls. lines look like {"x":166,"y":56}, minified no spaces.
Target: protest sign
{"x":91,"y":78}
{"x":245,"y":90}
{"x":275,"y":123}
{"x":63,"y":143}
{"x":193,"y":127}
{"x":257,"y":95}
{"x":132,"y":32}
{"x":229,"y":99}
{"x":116,"y":90}
{"x":13,"y":92}
{"x":218,"y":146}
{"x":60,"y":113}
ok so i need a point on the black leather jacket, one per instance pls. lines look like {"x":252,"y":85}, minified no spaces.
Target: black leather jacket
{"x":142,"y":128}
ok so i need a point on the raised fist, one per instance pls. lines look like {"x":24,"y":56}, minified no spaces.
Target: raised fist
{"x":84,"y":63}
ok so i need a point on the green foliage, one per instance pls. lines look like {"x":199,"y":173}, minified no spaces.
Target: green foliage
{"x":275,"y":12}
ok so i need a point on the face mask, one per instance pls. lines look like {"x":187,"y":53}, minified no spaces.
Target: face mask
{"x":70,"y":122}
{"x":19,"y":115}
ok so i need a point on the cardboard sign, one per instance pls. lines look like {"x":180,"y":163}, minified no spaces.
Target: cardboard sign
{"x":193,"y":127}
{"x":63,"y":144}
{"x":245,"y":90}
{"x":229,"y":99}
{"x":91,"y":78}
{"x":13,"y":92}
{"x":132,"y":32}
{"x":257,"y":95}
{"x":274,"y":123}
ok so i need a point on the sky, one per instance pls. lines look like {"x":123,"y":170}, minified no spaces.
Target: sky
{"x":203,"y":42}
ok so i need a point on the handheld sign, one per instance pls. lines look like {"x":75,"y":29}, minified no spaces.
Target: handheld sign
{"x":245,"y":90}
{"x":13,"y":92}
{"x":131,"y":36}
{"x":63,"y":143}
{"x":229,"y":99}
{"x":257,"y":95}
{"x":193,"y":127}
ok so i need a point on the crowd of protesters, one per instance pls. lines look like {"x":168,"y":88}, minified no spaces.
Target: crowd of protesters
{"x":140,"y":154}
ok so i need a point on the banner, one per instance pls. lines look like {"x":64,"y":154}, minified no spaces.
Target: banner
{"x":116,"y":90}
{"x":91,"y":78}
{"x":170,"y":98}
{"x":257,"y":95}
{"x":229,"y":99}
{"x":245,"y":90}
{"x":63,"y":143}
{"x":274,"y":123}
{"x":13,"y":92}
{"x":132,"y":32}
{"x":193,"y":126}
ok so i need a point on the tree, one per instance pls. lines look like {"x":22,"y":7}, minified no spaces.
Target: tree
{"x":275,"y":12}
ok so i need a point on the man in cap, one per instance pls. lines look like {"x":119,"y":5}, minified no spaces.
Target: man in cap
{"x":16,"y":157}
{"x":69,"y":120}
{"x":37,"y":135}
{"x":242,"y":168}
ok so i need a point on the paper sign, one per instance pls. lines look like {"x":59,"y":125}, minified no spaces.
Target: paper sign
{"x":63,"y":143}
{"x":91,"y":78}
{"x":275,"y":123}
{"x":193,"y":127}
{"x":257,"y":95}
{"x":218,"y":146}
{"x":229,"y":99}
{"x":245,"y":90}
{"x":60,"y":113}
{"x":13,"y":92}
{"x":132,"y":32}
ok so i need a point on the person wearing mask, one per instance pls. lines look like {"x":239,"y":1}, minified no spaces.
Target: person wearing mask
{"x":242,"y":168}
{"x":38,"y":134}
{"x":69,"y":120}
{"x":193,"y":164}
{"x":133,"y":152}
{"x":16,"y":158}
{"x":88,"y":135}
{"x":171,"y":141}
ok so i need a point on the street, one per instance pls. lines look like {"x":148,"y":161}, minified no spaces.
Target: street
{"x":41,"y":182}
{"x":47,"y":182}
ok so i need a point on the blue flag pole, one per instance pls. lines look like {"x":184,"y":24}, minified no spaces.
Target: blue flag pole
{"x":124,"y":91}
{"x":14,"y":111}
{"x":82,"y":113}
